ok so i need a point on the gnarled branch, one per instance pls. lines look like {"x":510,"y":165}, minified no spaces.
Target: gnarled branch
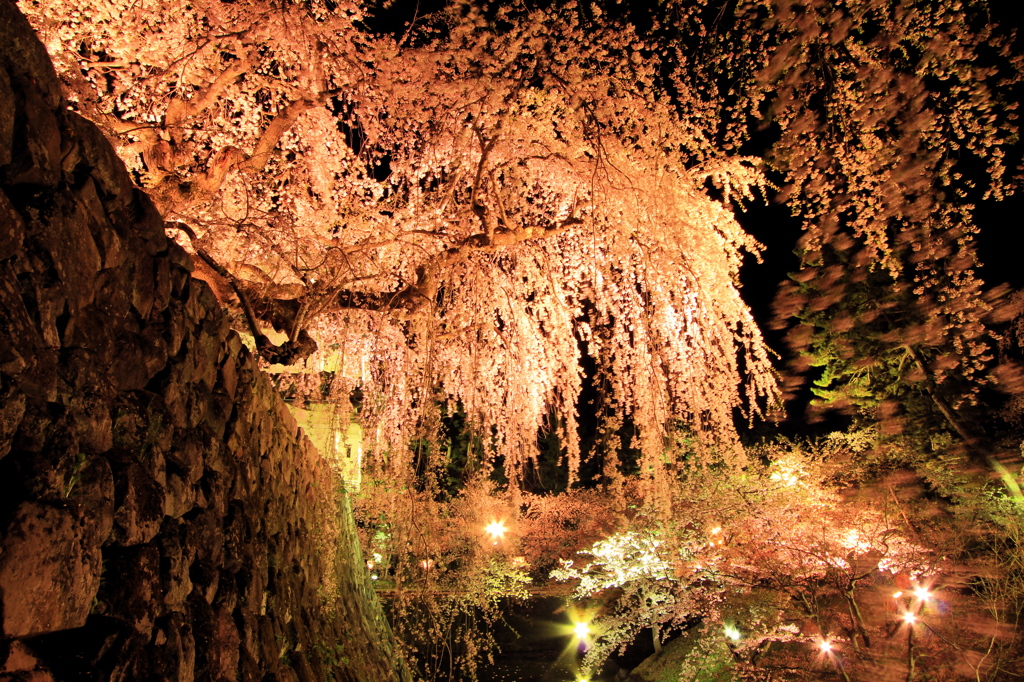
{"x":290,"y":352}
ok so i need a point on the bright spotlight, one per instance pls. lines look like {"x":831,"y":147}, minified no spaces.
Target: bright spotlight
{"x":922,"y":594}
{"x":732,"y":633}
{"x":581,"y":630}
{"x":909,"y":618}
{"x":496,"y":529}
{"x":826,"y":647}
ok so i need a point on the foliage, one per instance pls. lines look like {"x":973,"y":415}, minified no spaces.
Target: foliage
{"x":615,"y":561}
{"x":442,"y":577}
{"x":471,"y":210}
{"x":445,"y":579}
{"x":458,"y":212}
{"x":631,"y":564}
{"x":771,"y":560}
{"x":1003,"y":586}
{"x":887,"y":350}
{"x":553,"y":527}
{"x":888,"y":302}
{"x":478,"y":215}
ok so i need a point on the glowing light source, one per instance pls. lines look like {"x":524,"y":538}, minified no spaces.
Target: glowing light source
{"x":581,"y":630}
{"x":496,"y":529}
{"x":787,"y":477}
{"x":732,"y":633}
{"x":716,"y":536}
{"x":922,"y":593}
{"x":826,"y":647}
{"x":908,"y":617}
{"x":897,"y":595}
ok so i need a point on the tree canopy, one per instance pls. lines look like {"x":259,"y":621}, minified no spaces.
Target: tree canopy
{"x":471,"y":209}
{"x":470,"y":218}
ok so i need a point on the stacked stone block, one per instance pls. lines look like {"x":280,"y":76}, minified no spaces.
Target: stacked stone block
{"x":161,"y":516}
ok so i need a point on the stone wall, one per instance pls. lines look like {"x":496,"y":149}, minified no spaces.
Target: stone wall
{"x":161,"y":516}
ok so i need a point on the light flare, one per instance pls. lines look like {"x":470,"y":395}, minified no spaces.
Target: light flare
{"x":496,"y":529}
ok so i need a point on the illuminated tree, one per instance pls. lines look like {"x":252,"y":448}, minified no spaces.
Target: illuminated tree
{"x":888,"y":300}
{"x":444,"y":568}
{"x":884,"y":352}
{"x":784,"y":568}
{"x":458,"y":213}
{"x":631,"y":563}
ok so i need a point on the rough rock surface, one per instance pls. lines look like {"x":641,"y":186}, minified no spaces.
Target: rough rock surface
{"x":161,"y":517}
